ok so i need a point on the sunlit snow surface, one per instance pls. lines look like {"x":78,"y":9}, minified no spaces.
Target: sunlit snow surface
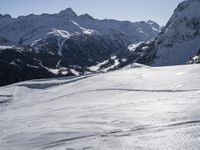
{"x":130,"y":109}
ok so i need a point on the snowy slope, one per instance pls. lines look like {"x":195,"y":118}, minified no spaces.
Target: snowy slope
{"x":106,"y":65}
{"x":27,"y":29}
{"x":179,"y":39}
{"x":141,"y":108}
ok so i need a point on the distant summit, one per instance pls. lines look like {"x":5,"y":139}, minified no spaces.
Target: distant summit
{"x":68,"y":13}
{"x":25,"y":30}
{"x":86,"y":16}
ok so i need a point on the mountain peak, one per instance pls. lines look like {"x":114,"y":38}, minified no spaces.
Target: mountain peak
{"x":68,"y":13}
{"x":179,"y":39}
{"x":5,"y":16}
{"x":151,"y":22}
{"x":186,"y":10}
{"x":185,"y":4}
{"x":86,"y":16}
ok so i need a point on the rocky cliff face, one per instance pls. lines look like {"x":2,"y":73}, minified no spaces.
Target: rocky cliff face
{"x":179,"y":39}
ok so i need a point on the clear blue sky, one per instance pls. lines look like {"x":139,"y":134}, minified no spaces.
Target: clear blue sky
{"x":133,"y":10}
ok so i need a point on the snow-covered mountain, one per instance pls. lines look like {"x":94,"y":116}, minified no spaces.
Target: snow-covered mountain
{"x":178,"y":42}
{"x":27,"y":29}
{"x":67,"y":44}
{"x":180,"y":38}
{"x":129,"y":109}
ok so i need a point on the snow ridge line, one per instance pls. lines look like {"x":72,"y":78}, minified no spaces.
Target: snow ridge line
{"x":62,"y":141}
{"x":49,"y":85}
{"x":144,"y":90}
{"x":125,"y":90}
{"x":6,"y":96}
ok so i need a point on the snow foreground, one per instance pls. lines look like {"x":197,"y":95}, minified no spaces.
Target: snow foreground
{"x":140,"y":108}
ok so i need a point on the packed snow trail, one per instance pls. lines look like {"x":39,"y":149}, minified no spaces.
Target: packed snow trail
{"x":135,"y":108}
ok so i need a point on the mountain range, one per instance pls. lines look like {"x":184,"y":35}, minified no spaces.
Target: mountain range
{"x":25,"y":30}
{"x":65,"y":44}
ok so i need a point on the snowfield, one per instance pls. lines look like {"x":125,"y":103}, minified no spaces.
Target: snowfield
{"x":134,"y":108}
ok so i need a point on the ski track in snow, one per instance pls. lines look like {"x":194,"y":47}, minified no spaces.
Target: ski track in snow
{"x":141,"y":108}
{"x":142,"y":90}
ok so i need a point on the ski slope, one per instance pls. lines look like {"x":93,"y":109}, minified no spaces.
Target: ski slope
{"x":129,"y":109}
